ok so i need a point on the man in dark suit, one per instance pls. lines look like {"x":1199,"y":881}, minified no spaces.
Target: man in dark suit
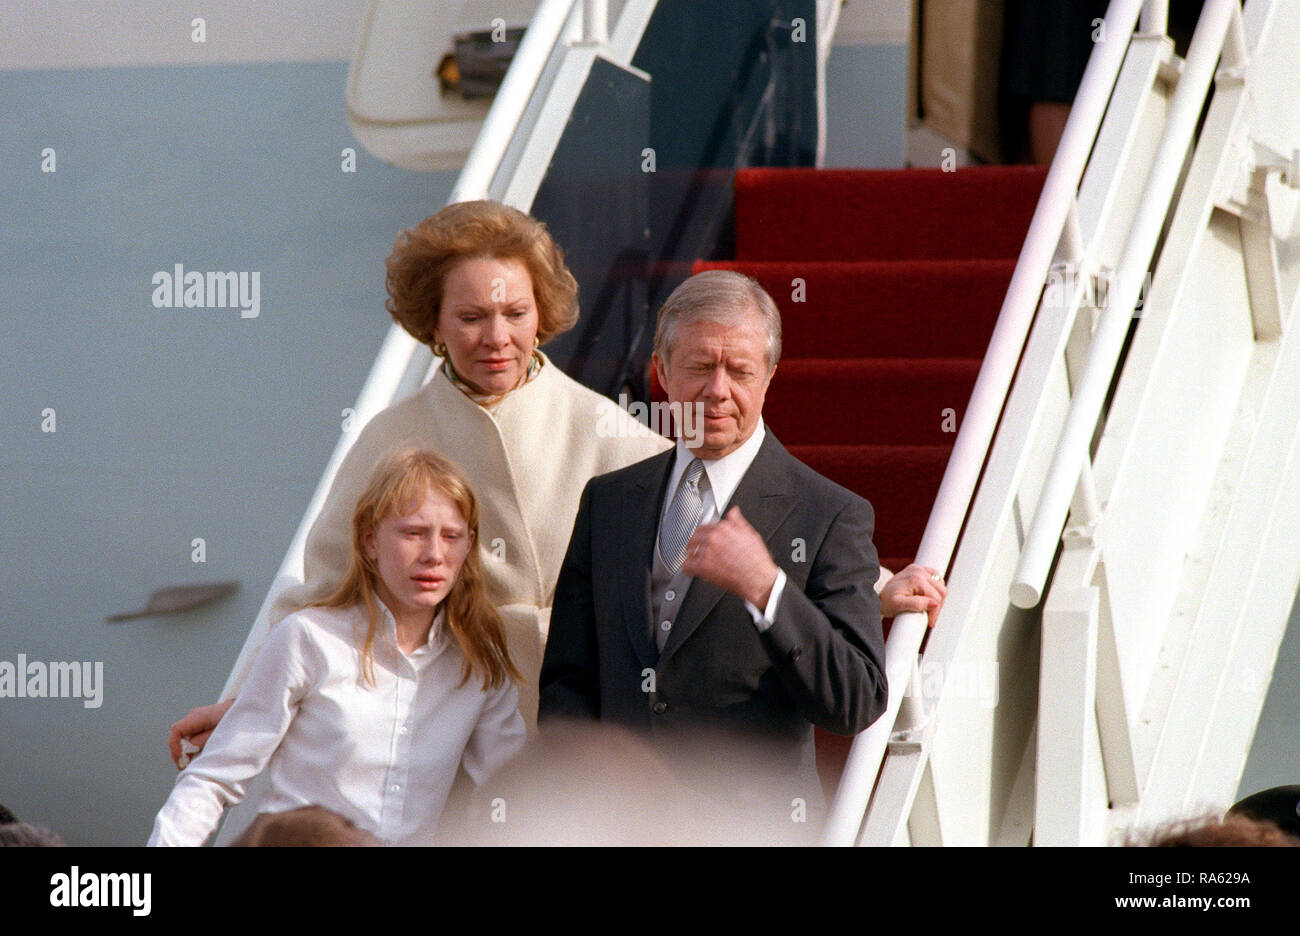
{"x":719,"y":598}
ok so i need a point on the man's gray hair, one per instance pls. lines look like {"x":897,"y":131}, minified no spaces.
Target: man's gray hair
{"x":721,"y":296}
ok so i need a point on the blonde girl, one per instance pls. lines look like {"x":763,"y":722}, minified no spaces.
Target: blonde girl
{"x":369,"y":701}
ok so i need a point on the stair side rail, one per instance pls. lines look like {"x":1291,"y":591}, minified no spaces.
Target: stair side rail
{"x":1219,"y":30}
{"x":1054,"y":222}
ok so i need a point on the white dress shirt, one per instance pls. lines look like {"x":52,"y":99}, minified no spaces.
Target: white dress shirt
{"x":725,"y":475}
{"x":383,"y":756}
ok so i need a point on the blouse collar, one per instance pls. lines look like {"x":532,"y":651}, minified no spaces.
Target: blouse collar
{"x":435,"y":631}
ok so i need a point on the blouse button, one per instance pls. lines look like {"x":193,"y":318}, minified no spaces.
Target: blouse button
{"x":666,"y":626}
{"x":395,"y":788}
{"x":670,"y":595}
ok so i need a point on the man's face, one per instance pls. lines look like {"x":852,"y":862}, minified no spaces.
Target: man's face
{"x":724,"y":369}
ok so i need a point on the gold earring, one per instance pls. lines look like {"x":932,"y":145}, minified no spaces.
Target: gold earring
{"x":439,"y":348}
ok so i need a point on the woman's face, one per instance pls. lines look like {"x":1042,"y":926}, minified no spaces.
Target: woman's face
{"x":488,"y":321}
{"x":419,"y":555}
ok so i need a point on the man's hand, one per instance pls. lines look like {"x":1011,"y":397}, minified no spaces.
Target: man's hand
{"x":731,"y":555}
{"x":916,"y":588}
{"x":197,"y":727}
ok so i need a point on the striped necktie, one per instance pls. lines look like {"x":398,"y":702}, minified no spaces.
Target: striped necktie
{"x":683,"y":517}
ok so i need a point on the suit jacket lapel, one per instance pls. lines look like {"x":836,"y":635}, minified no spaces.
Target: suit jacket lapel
{"x":765,"y":499}
{"x":642,"y":501}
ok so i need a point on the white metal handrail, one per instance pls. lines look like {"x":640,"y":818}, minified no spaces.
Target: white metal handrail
{"x":1219,"y":28}
{"x":595,"y":16}
{"x":544,"y":32}
{"x":1049,"y":222}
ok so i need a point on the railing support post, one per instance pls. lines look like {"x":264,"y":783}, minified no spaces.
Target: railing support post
{"x":595,"y":17}
{"x":1155,"y":18}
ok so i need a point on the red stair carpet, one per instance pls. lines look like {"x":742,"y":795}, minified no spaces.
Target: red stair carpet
{"x":903,"y":274}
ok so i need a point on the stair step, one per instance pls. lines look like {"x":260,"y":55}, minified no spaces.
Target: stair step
{"x":830,"y":214}
{"x":870,"y":402}
{"x":900,"y":481}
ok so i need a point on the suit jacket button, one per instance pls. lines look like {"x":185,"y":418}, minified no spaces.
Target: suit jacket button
{"x":795,"y":654}
{"x":660,"y":707}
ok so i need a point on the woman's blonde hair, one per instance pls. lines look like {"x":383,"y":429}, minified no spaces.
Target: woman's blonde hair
{"x":397,"y":487}
{"x":425,"y":254}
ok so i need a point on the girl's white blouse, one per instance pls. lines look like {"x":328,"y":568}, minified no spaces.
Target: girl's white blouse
{"x":383,"y":756}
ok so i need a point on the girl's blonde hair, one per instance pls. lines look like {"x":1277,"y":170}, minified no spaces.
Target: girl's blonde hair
{"x":398,"y":486}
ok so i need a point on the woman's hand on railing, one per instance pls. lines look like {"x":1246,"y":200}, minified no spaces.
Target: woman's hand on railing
{"x":196,"y":727}
{"x":915,"y":588}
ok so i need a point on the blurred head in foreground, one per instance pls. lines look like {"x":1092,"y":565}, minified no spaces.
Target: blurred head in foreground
{"x":1233,"y":831}
{"x":306,"y":825}
{"x":1279,"y":805}
{"x":17,"y":834}
{"x":24,"y":835}
{"x":585,"y":783}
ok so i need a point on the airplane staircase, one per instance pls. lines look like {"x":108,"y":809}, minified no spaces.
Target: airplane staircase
{"x":1127,"y":565}
{"x":1112,"y":343}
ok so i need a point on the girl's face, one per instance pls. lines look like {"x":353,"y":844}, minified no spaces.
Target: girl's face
{"x":419,"y":555}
